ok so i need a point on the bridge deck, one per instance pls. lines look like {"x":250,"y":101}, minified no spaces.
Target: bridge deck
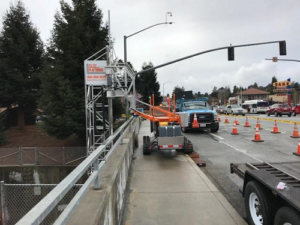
{"x":170,"y":189}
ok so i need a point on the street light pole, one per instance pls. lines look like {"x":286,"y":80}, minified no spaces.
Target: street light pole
{"x":125,"y":57}
{"x":164,"y":87}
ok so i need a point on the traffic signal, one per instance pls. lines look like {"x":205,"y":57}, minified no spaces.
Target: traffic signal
{"x":282,"y":48}
{"x":230,"y":54}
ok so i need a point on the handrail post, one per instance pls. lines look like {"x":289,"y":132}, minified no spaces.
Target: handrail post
{"x":97,"y":180}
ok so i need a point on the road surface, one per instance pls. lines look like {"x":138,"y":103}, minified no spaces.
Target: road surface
{"x":221,"y":148}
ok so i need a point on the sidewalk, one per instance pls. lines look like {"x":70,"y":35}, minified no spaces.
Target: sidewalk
{"x":168,"y":188}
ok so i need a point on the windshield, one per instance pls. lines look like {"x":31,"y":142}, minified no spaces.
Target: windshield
{"x":235,"y":106}
{"x":221,"y":107}
{"x":262,"y":104}
{"x":284,"y":105}
{"x":196,"y":105}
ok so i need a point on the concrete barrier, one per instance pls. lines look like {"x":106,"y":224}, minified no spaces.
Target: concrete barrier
{"x":105,"y":206}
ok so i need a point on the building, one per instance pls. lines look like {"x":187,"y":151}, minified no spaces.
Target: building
{"x":252,"y":94}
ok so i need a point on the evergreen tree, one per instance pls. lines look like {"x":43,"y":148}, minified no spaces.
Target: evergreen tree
{"x":214,"y":92}
{"x":78,"y":33}
{"x":21,"y":51}
{"x":271,"y":89}
{"x":178,"y":89}
{"x":148,"y":85}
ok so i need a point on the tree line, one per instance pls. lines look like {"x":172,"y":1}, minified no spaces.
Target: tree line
{"x":223,"y":93}
{"x":50,"y":77}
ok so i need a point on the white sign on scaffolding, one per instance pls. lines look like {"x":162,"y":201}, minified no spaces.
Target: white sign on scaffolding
{"x":94,"y":72}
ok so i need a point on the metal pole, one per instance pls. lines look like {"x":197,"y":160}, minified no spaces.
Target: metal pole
{"x":134,"y":93}
{"x":110,"y":114}
{"x":103,"y":114}
{"x":125,"y":61}
{"x":2,"y":203}
{"x":125,"y":49}
{"x":201,"y":53}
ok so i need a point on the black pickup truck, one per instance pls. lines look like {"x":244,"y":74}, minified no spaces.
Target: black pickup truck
{"x":271,"y":192}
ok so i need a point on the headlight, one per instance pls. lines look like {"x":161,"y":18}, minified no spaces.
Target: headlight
{"x":216,"y":116}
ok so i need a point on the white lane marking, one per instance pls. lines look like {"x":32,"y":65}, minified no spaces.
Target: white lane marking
{"x":216,"y":136}
{"x":241,"y":151}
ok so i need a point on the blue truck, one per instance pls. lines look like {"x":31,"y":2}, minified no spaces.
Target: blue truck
{"x":198,"y":109}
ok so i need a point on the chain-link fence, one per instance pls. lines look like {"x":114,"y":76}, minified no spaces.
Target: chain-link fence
{"x":42,"y":155}
{"x":18,"y":199}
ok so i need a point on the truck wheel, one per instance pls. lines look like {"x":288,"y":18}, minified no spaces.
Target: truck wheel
{"x":146,"y":145}
{"x":268,"y":114}
{"x":260,"y":204}
{"x":286,"y":215}
{"x":290,"y":115}
{"x":214,"y":130}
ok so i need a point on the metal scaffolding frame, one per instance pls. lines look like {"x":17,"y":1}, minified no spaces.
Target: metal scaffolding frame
{"x":99,"y":111}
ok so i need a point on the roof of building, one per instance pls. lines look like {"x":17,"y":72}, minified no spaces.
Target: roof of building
{"x":253,"y":91}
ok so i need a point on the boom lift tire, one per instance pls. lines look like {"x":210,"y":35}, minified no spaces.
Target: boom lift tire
{"x":260,"y":204}
{"x":146,"y":145}
{"x":286,"y":215}
{"x":187,"y":147}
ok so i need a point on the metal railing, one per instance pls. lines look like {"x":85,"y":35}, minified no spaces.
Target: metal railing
{"x":42,"y":156}
{"x":38,"y":213}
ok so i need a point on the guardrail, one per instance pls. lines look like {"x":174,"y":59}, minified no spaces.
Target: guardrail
{"x":38,"y":213}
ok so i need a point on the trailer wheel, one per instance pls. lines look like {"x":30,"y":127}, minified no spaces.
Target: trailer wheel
{"x":146,"y":145}
{"x":260,"y":204}
{"x":188,"y":147}
{"x":184,"y":130}
{"x":286,"y":216}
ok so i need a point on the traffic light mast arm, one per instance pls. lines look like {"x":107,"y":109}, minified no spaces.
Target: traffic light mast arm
{"x":281,"y":45}
{"x":290,"y":60}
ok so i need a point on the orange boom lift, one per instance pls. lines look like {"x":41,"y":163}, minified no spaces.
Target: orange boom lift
{"x":166,"y":128}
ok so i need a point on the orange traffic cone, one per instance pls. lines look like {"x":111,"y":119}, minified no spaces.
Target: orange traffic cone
{"x":226,"y":120}
{"x":247,"y":123}
{"x":195,"y":122}
{"x":257,"y":136}
{"x":258,"y":124}
{"x":295,"y":132}
{"x":236,"y":122}
{"x":234,"y":130}
{"x":275,"y":129}
{"x":219,"y":119}
{"x":298,"y":151}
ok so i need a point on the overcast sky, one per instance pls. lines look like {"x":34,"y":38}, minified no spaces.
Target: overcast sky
{"x":199,"y":25}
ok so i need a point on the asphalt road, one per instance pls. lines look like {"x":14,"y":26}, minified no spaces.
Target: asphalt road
{"x":221,"y":148}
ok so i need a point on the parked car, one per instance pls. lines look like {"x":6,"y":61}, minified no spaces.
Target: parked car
{"x":279,"y":110}
{"x":235,"y":110}
{"x":221,"y":109}
{"x":296,"y":109}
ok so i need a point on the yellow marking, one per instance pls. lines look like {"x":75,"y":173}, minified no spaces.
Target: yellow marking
{"x":267,"y":119}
